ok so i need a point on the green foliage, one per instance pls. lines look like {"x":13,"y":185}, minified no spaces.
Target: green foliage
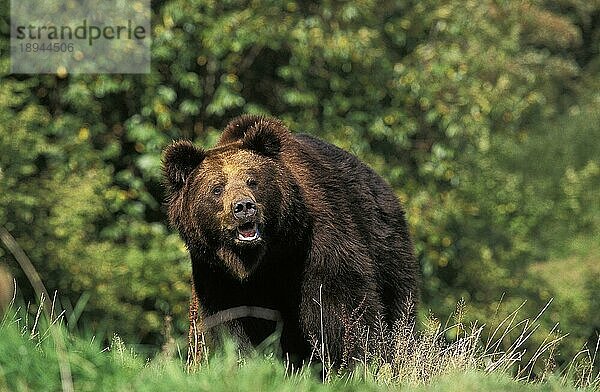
{"x":483,"y":115}
{"x":572,"y":280}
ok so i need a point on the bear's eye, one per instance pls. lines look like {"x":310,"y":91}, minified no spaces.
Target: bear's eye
{"x":217,"y":190}
{"x":252,"y":183}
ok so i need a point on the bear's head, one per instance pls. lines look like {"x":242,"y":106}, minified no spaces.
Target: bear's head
{"x":227,"y":202}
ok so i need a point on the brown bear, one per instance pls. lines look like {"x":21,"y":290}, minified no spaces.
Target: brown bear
{"x":290,"y":223}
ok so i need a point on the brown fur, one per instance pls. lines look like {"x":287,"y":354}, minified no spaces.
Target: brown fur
{"x":327,"y":222}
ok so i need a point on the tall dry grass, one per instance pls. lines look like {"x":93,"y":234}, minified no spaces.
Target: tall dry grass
{"x":407,"y":355}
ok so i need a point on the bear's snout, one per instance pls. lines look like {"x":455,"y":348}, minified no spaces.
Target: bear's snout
{"x":244,"y":208}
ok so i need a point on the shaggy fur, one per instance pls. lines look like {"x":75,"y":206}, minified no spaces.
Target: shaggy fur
{"x":326,"y":221}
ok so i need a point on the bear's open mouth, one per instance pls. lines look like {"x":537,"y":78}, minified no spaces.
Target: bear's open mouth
{"x":248,"y":231}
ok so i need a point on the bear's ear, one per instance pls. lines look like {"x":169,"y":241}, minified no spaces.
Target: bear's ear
{"x":236,"y":129}
{"x":264,"y":138}
{"x":179,"y":159}
{"x":260,"y":134}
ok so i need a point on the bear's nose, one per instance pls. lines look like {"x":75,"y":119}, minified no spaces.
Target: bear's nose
{"x":244,"y":208}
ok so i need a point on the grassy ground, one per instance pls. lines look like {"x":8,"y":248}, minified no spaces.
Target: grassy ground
{"x":31,"y":360}
{"x":26,"y":365}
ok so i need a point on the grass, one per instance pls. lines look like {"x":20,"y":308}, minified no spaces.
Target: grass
{"x":31,"y":360}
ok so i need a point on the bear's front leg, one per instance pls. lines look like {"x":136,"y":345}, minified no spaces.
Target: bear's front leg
{"x":337,"y":308}
{"x":195,"y":337}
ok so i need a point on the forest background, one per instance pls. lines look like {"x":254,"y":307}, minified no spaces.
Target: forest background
{"x":484,"y":116}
